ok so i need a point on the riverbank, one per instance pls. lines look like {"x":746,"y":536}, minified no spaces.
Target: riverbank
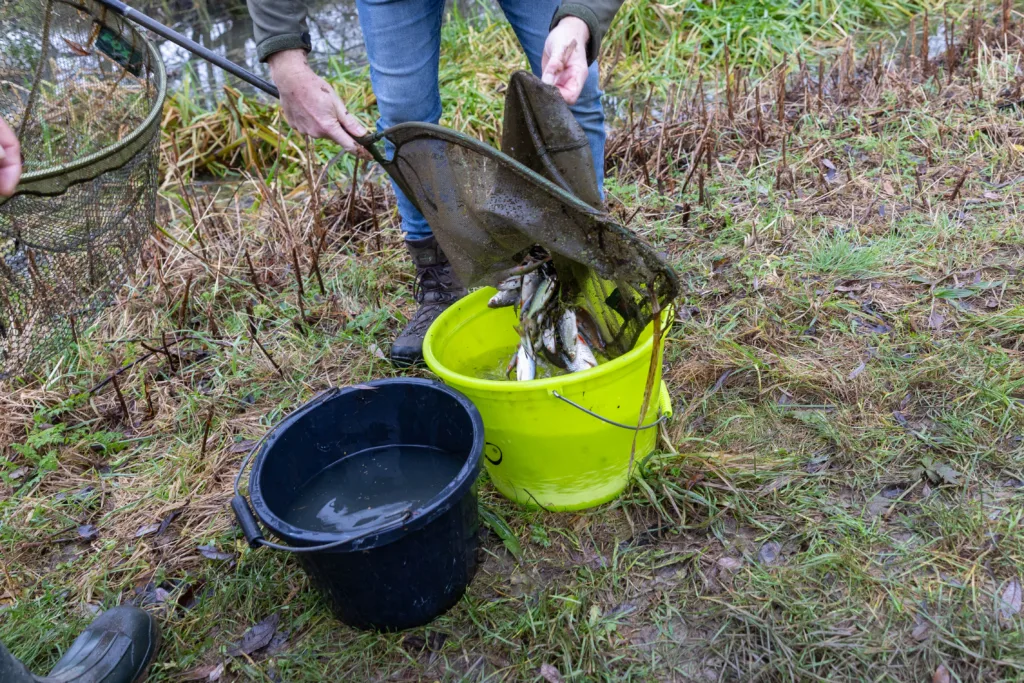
{"x":837,"y":496}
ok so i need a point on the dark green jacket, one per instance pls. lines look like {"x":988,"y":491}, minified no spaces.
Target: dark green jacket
{"x":281,"y":24}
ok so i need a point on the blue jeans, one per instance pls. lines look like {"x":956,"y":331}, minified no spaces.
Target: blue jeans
{"x":403,"y":44}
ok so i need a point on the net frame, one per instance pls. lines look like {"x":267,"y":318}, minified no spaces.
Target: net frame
{"x":72,"y":233}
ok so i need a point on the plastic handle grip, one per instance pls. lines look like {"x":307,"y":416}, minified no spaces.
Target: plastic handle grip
{"x":247,"y":520}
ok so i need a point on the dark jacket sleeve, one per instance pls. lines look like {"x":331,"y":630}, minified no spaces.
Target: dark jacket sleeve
{"x":279,"y":25}
{"x":597,"y":14}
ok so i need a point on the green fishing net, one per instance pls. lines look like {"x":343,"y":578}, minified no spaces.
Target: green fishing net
{"x":84,"y":91}
{"x":488,"y":208}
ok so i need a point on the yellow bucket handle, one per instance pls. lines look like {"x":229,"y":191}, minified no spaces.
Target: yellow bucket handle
{"x":634,"y":428}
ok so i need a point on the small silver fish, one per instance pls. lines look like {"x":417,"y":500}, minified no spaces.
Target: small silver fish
{"x":514,"y":282}
{"x":549,"y":339}
{"x":545,"y":291}
{"x":526,"y":363}
{"x":504,"y":298}
{"x":567,"y":332}
{"x":589,"y":329}
{"x":530,"y":283}
{"x":584,"y":357}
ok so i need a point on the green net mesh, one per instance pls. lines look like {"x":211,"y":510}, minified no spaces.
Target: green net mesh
{"x":84,"y":91}
{"x":488,"y":208}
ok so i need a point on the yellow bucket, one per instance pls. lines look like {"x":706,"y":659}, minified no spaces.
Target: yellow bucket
{"x":562,"y":443}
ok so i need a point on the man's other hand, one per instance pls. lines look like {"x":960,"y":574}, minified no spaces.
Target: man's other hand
{"x":564,"y":63}
{"x":310,"y":104}
{"x":10,"y":160}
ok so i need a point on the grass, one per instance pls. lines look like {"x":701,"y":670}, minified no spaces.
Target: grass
{"x":838,"y":496}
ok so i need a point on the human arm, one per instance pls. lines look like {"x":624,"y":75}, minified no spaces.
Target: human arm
{"x":10,"y":160}
{"x":309,"y":103}
{"x":585,"y":22}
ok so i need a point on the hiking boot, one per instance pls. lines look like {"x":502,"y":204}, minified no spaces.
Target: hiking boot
{"x":118,"y":647}
{"x":435,"y":290}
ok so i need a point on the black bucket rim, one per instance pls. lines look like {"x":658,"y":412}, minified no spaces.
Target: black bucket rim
{"x":434,"y":508}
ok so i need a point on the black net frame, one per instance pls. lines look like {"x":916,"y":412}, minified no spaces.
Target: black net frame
{"x":85,"y":91}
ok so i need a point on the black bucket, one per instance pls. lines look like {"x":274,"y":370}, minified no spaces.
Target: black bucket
{"x":402,"y":572}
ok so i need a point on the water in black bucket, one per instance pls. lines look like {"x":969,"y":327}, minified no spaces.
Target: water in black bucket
{"x":373,"y":488}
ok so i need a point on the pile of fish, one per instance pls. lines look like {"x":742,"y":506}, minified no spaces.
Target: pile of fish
{"x":564,"y":336}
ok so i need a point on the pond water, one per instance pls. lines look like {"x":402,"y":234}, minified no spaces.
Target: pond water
{"x":224,"y":26}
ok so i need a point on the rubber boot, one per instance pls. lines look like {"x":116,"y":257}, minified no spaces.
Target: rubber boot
{"x":118,"y":647}
{"x":13,"y":671}
{"x":435,"y":290}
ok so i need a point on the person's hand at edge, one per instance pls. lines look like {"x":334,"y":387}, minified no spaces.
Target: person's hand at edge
{"x":310,"y":104}
{"x":564,"y":62}
{"x":10,"y":160}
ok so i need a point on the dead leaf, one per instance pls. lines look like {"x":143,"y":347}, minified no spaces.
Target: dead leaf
{"x":857,"y":370}
{"x":88,"y":532}
{"x":769,"y":553}
{"x":243,"y":446}
{"x":937,"y":472}
{"x":941,"y":674}
{"x":946,"y":474}
{"x":257,"y":637}
{"x":277,"y":644}
{"x":830,"y":170}
{"x":206,"y":672}
{"x":878,"y":505}
{"x":210,"y":552}
{"x":936,"y":320}
{"x":147,"y":530}
{"x":167,"y":521}
{"x":550,"y":674}
{"x":816,"y":464}
{"x":730,"y":563}
{"x":1010,"y":601}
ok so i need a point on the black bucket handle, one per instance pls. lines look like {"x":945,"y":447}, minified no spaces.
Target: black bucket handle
{"x":247,"y":518}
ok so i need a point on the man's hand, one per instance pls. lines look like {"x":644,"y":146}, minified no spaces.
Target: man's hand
{"x":310,"y":104}
{"x":10,"y":160}
{"x":564,"y":63}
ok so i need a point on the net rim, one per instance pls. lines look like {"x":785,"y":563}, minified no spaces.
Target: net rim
{"x":416,"y":130}
{"x":434,"y":130}
{"x":155,"y":112}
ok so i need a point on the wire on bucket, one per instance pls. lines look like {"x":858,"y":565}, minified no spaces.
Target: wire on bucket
{"x":632,"y":428}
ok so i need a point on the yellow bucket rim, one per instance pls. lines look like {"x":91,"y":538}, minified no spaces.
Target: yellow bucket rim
{"x":459,"y":309}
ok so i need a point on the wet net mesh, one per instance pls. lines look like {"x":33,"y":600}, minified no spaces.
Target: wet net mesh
{"x":488,"y":208}
{"x":84,"y":92}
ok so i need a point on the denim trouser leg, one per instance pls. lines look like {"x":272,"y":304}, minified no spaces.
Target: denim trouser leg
{"x":403,"y":45}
